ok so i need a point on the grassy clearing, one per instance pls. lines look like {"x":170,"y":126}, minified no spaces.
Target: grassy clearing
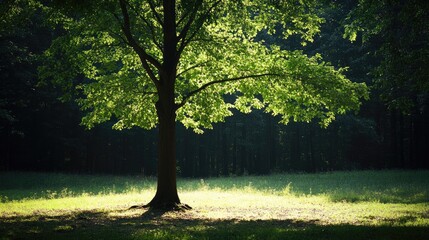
{"x":338,"y":205}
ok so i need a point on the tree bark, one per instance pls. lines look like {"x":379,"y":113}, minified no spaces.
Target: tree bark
{"x":166,"y":194}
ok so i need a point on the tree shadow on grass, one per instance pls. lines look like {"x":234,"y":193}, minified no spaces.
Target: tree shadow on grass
{"x":162,"y":225}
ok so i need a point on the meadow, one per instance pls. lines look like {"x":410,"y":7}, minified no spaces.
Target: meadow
{"x":335,"y":205}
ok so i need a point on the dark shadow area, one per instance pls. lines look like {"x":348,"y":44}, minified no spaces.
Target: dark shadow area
{"x":159,"y":225}
{"x":152,"y":214}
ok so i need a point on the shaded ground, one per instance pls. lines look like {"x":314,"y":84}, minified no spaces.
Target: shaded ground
{"x":142,"y":224}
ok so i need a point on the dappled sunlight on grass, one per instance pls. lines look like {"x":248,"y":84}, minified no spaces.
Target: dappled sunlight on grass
{"x":65,"y":205}
{"x":373,"y":186}
{"x":283,"y":206}
{"x":223,"y":205}
{"x":247,"y":206}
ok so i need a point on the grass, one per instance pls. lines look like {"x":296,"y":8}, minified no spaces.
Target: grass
{"x":336,"y":205}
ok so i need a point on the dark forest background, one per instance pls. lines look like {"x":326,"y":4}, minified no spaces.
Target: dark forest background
{"x":38,"y":132}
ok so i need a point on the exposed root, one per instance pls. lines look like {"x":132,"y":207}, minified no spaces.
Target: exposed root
{"x":138,"y":207}
{"x":184,"y":207}
{"x":163,"y":206}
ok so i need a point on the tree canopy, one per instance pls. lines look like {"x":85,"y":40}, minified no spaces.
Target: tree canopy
{"x":118,"y":48}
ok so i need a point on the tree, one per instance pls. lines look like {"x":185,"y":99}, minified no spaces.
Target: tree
{"x":22,"y":38}
{"x":156,"y":62}
{"x":399,"y":31}
{"x":15,"y":62}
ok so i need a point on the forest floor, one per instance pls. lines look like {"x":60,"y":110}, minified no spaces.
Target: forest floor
{"x":336,"y":205}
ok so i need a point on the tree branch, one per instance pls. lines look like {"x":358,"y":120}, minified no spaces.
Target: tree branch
{"x":149,"y":25}
{"x":184,"y":16}
{"x":118,"y":35}
{"x":144,"y":57}
{"x":185,"y":41}
{"x":157,"y":17}
{"x":196,"y":91}
{"x":191,"y":19}
{"x":192,"y":67}
{"x":126,"y":27}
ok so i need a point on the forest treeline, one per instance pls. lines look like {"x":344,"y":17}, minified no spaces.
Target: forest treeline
{"x":39,"y":132}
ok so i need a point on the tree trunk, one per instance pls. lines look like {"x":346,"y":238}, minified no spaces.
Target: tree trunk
{"x":224,"y":151}
{"x":166,"y":193}
{"x":166,"y":196}
{"x":234,"y":150}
